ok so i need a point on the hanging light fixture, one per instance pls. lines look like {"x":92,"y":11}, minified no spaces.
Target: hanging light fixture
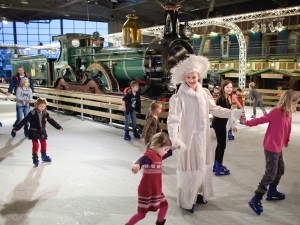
{"x":263,"y":28}
{"x":271,"y":26}
{"x":4,"y":21}
{"x":279,"y":26}
{"x":255,"y":27}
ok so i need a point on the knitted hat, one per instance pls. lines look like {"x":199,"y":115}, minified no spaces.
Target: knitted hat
{"x":199,"y":64}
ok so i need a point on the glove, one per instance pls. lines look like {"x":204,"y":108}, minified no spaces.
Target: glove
{"x":13,"y":133}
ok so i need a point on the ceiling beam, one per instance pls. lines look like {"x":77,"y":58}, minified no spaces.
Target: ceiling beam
{"x":70,"y":3}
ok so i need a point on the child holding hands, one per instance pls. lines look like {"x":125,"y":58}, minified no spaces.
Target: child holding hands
{"x":150,"y":196}
{"x":277,"y":136}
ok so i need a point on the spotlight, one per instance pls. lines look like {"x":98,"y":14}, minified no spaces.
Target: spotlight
{"x":279,"y":26}
{"x":263,"y":28}
{"x":271,"y":26}
{"x":255,"y":27}
{"x":4,"y":21}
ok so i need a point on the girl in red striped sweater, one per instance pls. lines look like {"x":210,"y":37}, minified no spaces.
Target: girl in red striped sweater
{"x":150,"y":196}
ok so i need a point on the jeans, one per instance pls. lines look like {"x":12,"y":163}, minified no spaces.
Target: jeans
{"x":258,"y":102}
{"x":130,"y":116}
{"x":20,"y":111}
{"x":274,"y":172}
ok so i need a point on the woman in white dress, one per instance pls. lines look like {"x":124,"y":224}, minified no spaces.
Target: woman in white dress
{"x":189,"y":130}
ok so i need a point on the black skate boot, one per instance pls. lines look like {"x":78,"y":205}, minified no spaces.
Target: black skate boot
{"x":35,"y":159}
{"x":127,"y":136}
{"x":136,"y":134}
{"x":273,"y":194}
{"x":162,"y":223}
{"x":45,"y":157}
{"x":255,"y":204}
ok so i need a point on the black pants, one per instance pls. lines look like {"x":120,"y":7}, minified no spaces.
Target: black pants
{"x":274,"y":172}
{"x":221,"y":139}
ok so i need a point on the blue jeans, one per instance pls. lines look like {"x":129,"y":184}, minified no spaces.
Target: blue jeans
{"x":130,"y":116}
{"x":20,"y":111}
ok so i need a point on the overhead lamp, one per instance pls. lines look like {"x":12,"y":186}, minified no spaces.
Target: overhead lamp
{"x":24,"y":2}
{"x":255,"y":27}
{"x":4,"y":21}
{"x":279,"y":26}
{"x":263,"y":28}
{"x":271,"y":26}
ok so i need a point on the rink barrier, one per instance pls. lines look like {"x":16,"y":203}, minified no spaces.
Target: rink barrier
{"x":270,"y":97}
{"x":104,"y":106}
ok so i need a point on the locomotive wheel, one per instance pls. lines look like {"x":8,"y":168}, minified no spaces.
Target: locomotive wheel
{"x":100,"y":75}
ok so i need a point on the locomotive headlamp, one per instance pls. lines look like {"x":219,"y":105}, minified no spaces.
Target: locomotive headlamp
{"x":171,"y":87}
{"x":75,"y":43}
{"x":187,"y":30}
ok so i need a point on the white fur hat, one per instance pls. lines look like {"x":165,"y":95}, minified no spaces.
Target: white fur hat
{"x":199,"y":64}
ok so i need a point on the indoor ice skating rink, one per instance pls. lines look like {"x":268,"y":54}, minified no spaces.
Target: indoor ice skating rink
{"x":90,"y":182}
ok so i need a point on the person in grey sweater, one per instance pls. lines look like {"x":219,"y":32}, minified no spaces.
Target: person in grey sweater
{"x":23,"y":98}
{"x":257,"y":100}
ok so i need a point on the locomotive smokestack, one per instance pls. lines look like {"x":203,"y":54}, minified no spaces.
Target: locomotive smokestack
{"x":171,"y":20}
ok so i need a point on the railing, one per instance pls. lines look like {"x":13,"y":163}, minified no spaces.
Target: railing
{"x":270,"y":97}
{"x":104,"y":106}
{"x":264,"y":49}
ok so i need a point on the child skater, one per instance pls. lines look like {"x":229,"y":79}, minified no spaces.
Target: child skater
{"x":189,"y":127}
{"x":131,"y":103}
{"x":219,"y":125}
{"x":23,"y":98}
{"x":152,"y":125}
{"x":277,"y":136}
{"x":256,"y":98}
{"x":37,"y":130}
{"x":150,"y":196}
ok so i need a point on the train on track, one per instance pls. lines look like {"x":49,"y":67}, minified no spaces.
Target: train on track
{"x":85,"y":65}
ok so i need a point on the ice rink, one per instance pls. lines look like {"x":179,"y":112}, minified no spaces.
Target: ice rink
{"x":90,"y":182}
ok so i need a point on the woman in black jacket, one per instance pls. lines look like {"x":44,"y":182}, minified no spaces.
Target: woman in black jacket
{"x":38,"y":118}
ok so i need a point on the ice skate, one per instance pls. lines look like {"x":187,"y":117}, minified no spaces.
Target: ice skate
{"x":255,"y":204}
{"x":273,"y":194}
{"x":221,"y":170}
{"x":230,"y":136}
{"x":192,"y":210}
{"x":162,"y":223}
{"x":136,"y":134}
{"x":200,"y":200}
{"x":46,"y":158}
{"x":36,"y":161}
{"x":127,"y":136}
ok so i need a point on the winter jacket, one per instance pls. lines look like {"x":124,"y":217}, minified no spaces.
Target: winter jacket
{"x":37,"y":129}
{"x":132,"y":102}
{"x":15,"y":83}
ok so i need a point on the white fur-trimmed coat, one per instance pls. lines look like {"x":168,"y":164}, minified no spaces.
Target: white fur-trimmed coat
{"x":189,"y":130}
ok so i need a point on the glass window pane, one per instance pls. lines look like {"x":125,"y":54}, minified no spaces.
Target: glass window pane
{"x":44,"y":25}
{"x":7,"y":30}
{"x":8,"y":37}
{"x":21,"y":30}
{"x":68,"y":24}
{"x":66,"y":31}
{"x":55,"y":32}
{"x":80,"y":30}
{"x":43,"y":31}
{"x":32,"y":25}
{"x":33,"y":37}
{"x":44,"y":38}
{"x":79,"y":24}
{"x":22,"y":42}
{"x":21,"y":38}
{"x":91,"y":25}
{"x":55,"y":24}
{"x":21,"y":24}
{"x":91,"y":31}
